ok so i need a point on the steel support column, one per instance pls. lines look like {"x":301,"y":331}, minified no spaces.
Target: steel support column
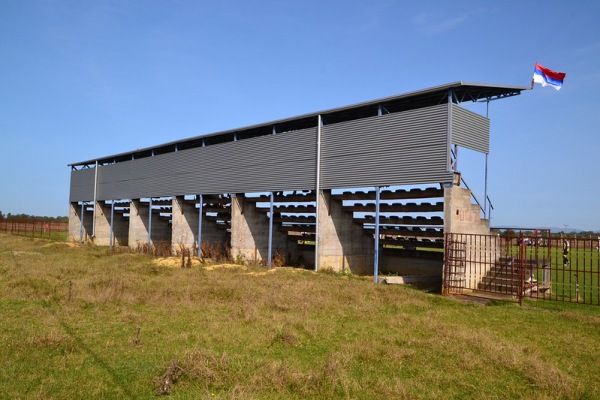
{"x":150,"y":222}
{"x":200,"y":214}
{"x":81,"y":222}
{"x":376,"y":249}
{"x":95,"y":200}
{"x":270,"y":246}
{"x":317,"y":188}
{"x":112,"y":218}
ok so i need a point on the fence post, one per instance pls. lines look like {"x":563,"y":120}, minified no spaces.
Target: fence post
{"x":520,"y":266}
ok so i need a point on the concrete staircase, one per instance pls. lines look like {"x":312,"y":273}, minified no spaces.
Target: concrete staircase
{"x":505,"y":278}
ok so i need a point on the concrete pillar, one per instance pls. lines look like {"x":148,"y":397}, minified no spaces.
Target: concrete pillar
{"x":343,"y":245}
{"x":161,"y":229}
{"x":460,"y":216}
{"x":75,"y":223}
{"x":138,"y":224}
{"x":250,"y":233}
{"x":102,"y":229}
{"x":120,"y":229}
{"x":120,"y":226}
{"x":185,"y":227}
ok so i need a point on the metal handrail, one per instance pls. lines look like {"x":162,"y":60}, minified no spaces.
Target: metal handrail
{"x":491,"y":207}
{"x":472,"y":194}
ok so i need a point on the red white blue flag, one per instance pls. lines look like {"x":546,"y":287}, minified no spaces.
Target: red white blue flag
{"x":547,"y":77}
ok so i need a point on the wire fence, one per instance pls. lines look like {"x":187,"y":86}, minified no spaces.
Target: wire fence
{"x":54,"y":230}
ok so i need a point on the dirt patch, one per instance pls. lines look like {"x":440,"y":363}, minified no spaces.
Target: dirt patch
{"x":219,"y":266}
{"x":173,"y":262}
{"x":62,"y":244}
{"x":26,"y":253}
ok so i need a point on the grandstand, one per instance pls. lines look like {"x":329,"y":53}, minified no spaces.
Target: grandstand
{"x":368,"y":188}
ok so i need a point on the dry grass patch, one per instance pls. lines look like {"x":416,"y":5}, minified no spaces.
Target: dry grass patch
{"x":80,"y":322}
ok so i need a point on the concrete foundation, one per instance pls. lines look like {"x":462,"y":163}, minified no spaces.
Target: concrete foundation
{"x":343,"y":245}
{"x":120,"y":230}
{"x":185,"y":219}
{"x":139,"y":223}
{"x":79,"y":232}
{"x":102,"y":228}
{"x":410,"y":262}
{"x":250,"y":234}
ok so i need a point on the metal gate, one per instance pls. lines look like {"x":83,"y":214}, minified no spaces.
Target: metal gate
{"x":534,"y":264}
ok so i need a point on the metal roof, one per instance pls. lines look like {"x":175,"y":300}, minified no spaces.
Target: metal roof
{"x":461,"y":92}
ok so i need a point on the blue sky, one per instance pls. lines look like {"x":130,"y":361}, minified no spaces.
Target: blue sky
{"x":85,"y":79}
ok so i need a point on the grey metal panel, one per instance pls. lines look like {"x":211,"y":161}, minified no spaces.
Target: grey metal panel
{"x":82,"y":185}
{"x":267,"y":163}
{"x":470,"y":130}
{"x":409,"y":147}
{"x":394,"y":149}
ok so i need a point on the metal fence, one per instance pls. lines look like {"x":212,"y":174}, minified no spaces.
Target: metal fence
{"x":42,"y":229}
{"x":535,"y":265}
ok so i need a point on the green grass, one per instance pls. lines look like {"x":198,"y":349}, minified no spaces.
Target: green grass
{"x":80,"y":322}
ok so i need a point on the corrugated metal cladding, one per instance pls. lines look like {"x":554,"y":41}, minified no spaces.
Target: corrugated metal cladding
{"x":470,"y":130}
{"x":409,"y":147}
{"x":394,"y":149}
{"x":82,"y":185}
{"x":284,"y":161}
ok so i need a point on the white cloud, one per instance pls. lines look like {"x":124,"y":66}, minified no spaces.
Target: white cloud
{"x":436,"y":23}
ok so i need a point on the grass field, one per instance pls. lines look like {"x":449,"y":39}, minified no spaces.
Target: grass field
{"x":80,"y":322}
{"x":578,"y":280}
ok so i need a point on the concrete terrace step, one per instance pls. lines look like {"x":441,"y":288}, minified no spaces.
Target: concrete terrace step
{"x":218,"y":208}
{"x":406,"y":220}
{"x":211,"y":199}
{"x":413,"y":243}
{"x":400,"y":194}
{"x":298,"y":219}
{"x":297,"y":228}
{"x":292,"y":209}
{"x":407,"y":231}
{"x":397,"y":207}
{"x":298,"y":197}
{"x":507,"y":288}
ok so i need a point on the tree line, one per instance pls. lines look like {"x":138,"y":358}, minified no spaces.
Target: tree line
{"x":29,"y":217}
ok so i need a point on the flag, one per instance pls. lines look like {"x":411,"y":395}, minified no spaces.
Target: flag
{"x":546,"y":76}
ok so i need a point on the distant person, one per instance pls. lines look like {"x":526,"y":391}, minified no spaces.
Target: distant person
{"x":566,"y":251}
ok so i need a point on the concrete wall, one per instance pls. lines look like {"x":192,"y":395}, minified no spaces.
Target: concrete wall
{"x":343,"y":245}
{"x":460,"y":216}
{"x":102,"y":228}
{"x":138,"y":223}
{"x":184,"y":226}
{"x":250,"y":233}
{"x":120,"y":230}
{"x":185,"y":220}
{"x":76,"y":231}
{"x":410,"y":262}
